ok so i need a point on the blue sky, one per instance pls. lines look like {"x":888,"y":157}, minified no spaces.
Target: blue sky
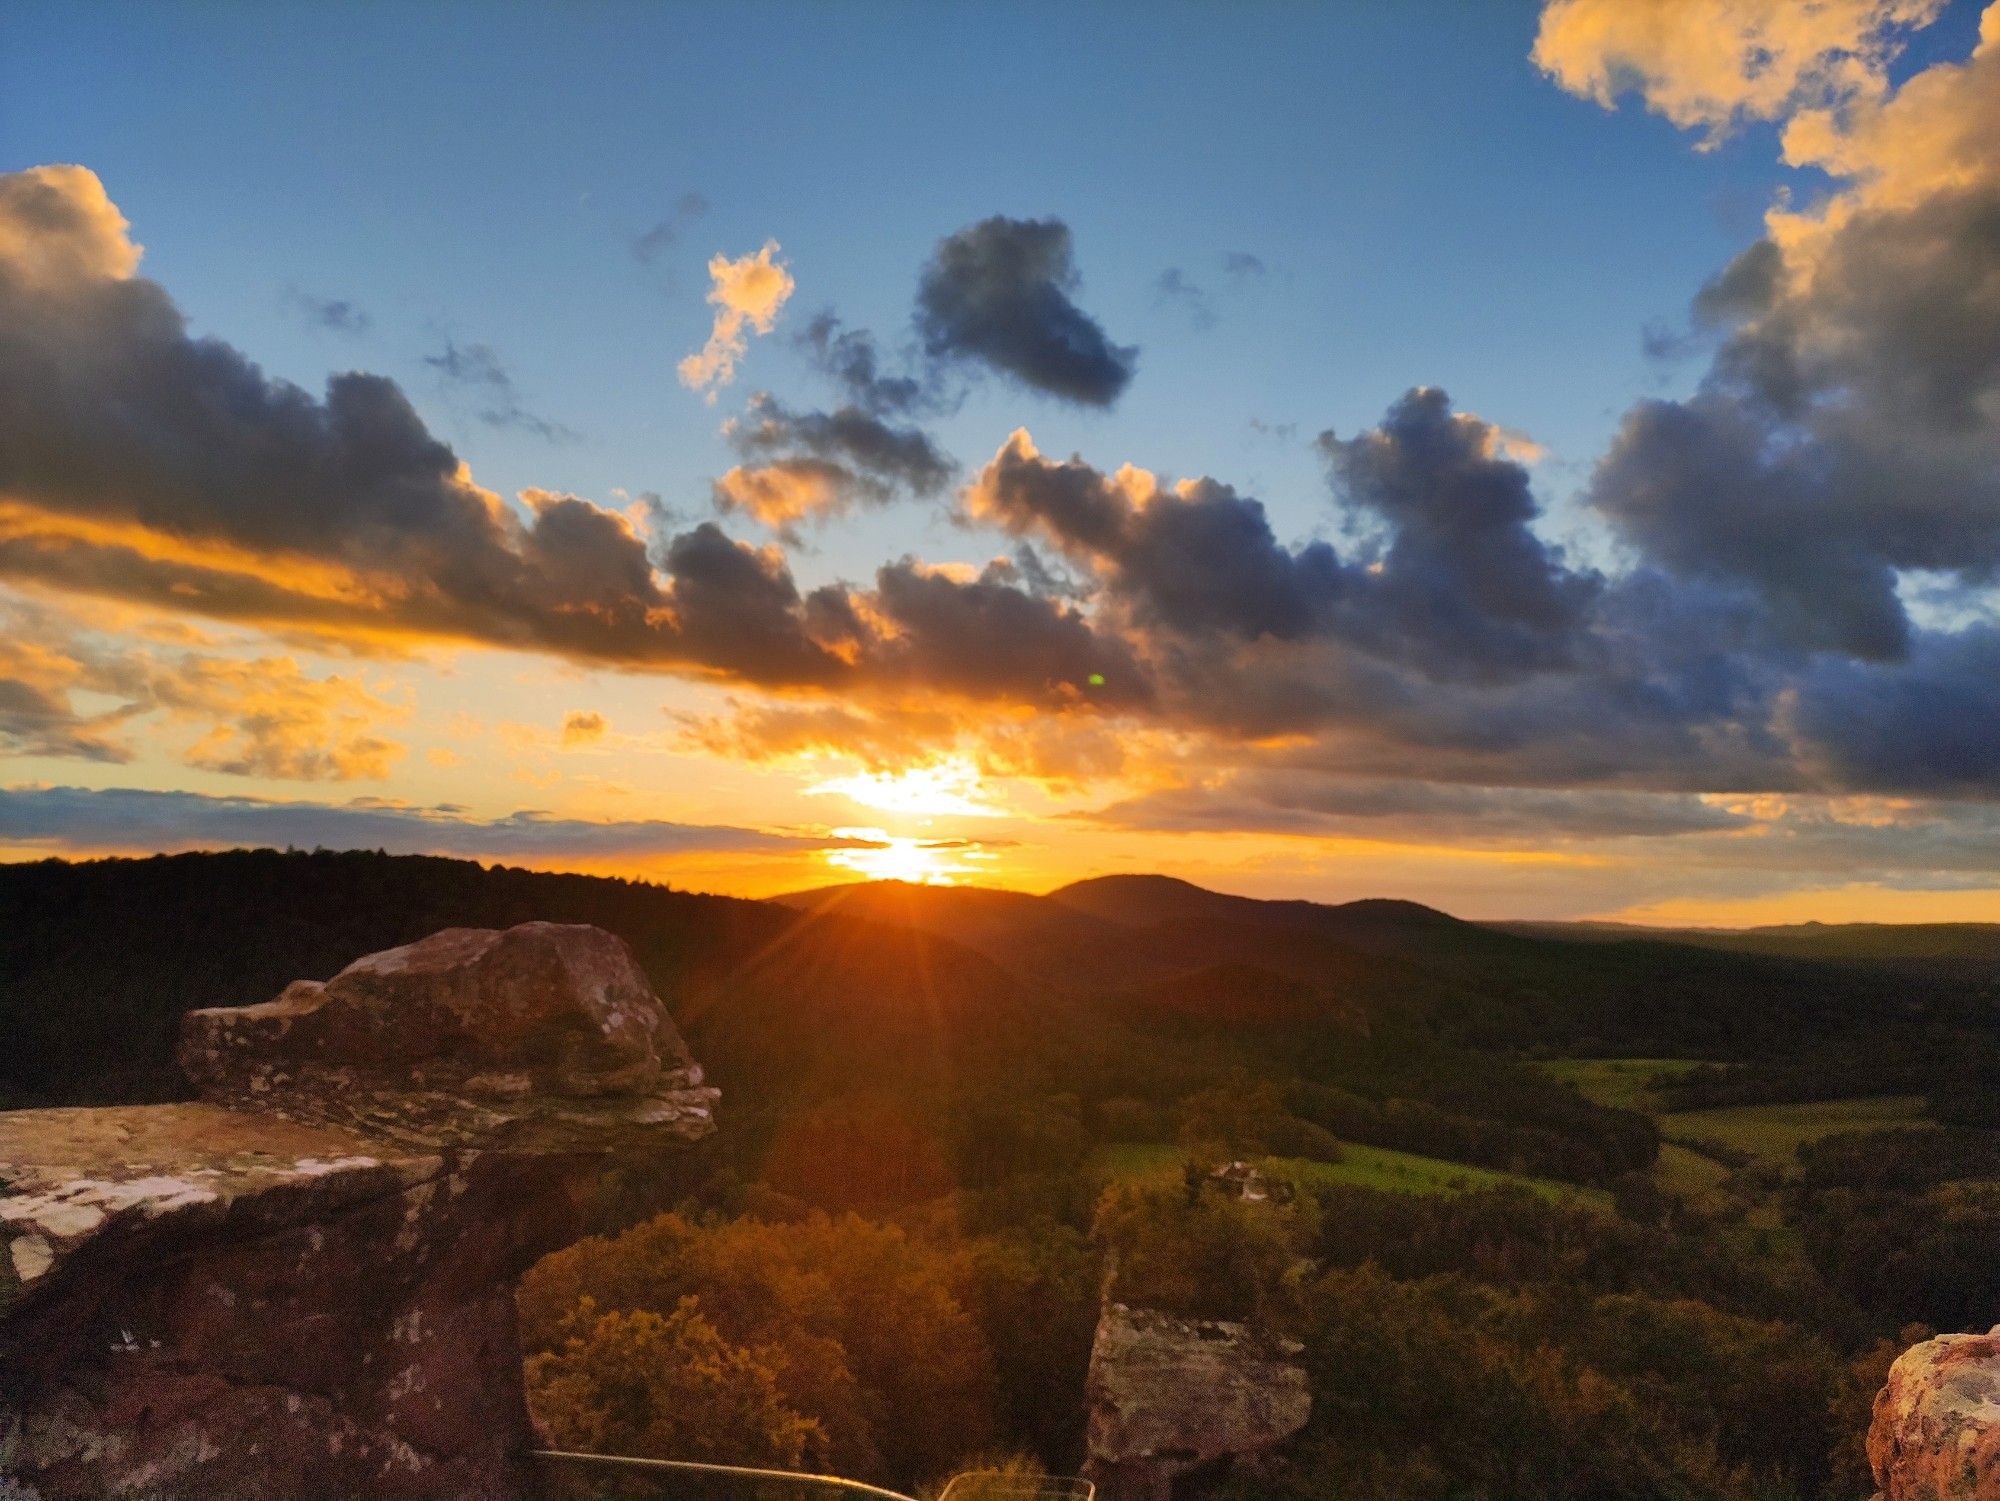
{"x":1429,"y":209}
{"x":1352,"y":200}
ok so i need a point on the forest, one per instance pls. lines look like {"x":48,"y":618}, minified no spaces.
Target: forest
{"x":1564,"y":1215}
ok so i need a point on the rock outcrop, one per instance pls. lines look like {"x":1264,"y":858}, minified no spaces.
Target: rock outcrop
{"x":303,"y":1285}
{"x":1171,"y":1395}
{"x":1936,"y":1430}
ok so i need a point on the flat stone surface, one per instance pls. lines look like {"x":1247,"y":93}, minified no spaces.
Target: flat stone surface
{"x":303,"y":1285}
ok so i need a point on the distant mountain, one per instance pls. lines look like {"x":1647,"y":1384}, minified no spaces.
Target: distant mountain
{"x":1375,"y":926}
{"x":1968,"y":941}
{"x":1173,"y":958}
{"x":1032,"y":935}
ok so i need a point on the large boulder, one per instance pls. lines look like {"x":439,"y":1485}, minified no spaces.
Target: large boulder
{"x":1171,"y":1395}
{"x":1936,"y":1429}
{"x":303,"y":1285}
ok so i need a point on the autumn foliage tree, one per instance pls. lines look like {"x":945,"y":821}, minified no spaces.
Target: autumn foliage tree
{"x":863,"y":1331}
{"x":667,"y":1388}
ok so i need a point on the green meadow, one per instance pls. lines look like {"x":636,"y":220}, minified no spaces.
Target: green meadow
{"x":1359,"y":1167}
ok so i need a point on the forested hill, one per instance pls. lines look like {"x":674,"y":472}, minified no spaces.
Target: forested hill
{"x":99,"y":959}
{"x":912,"y":985}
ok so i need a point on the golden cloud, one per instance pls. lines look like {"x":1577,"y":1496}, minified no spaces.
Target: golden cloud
{"x":747,"y":293}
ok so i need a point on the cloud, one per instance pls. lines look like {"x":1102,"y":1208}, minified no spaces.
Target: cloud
{"x":663,"y":234}
{"x":1173,"y":288}
{"x":850,"y":359}
{"x":337,"y":314}
{"x":747,"y":293}
{"x":262,"y":717}
{"x":998,"y":293}
{"x":75,"y":819}
{"x":1712,"y":64}
{"x":476,"y":368}
{"x":172,"y":472}
{"x":1461,"y":586}
{"x":1241,"y":265}
{"x":1276,"y":801}
{"x":582,"y":727}
{"x":1844,"y":433}
{"x":817,"y":464}
{"x":781,"y":494}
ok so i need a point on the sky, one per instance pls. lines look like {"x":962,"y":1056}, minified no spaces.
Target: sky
{"x":1541,"y":460}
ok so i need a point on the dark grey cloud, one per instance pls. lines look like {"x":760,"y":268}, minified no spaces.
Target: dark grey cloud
{"x":338,"y":314}
{"x":1460,"y":585}
{"x":1462,"y":580}
{"x":663,"y":234}
{"x":1243,"y":266}
{"x":875,"y":459}
{"x":478,"y":369}
{"x":998,"y":293}
{"x":851,"y":359}
{"x":38,"y":720}
{"x":1929,"y":723}
{"x":1279,"y":801}
{"x":80,"y":819}
{"x":995,"y":639}
{"x":1847,"y":429}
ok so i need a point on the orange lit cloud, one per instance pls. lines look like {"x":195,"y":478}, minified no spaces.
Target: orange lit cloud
{"x":1709,"y":64}
{"x":747,"y":293}
{"x":581,"y":727}
{"x":781,"y":495}
{"x":258,"y":717}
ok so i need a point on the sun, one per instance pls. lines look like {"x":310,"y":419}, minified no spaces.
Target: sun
{"x":950,"y":787}
{"x":893,"y":857}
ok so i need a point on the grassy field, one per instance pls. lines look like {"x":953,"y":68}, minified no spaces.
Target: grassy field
{"x":1776,"y":1132}
{"x":1620,"y":1082}
{"x":1359,"y":1167}
{"x":1688,"y":1173}
{"x":1773,"y":1133}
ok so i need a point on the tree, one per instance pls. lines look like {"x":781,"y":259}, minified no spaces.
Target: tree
{"x":865,"y":1329}
{"x":666,"y":1388}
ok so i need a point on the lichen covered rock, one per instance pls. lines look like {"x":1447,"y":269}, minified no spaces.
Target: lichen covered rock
{"x":303,"y":1285}
{"x":1171,"y":1395}
{"x":1936,"y":1430}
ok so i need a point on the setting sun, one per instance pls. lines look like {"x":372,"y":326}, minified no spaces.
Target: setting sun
{"x":950,"y":787}
{"x":891,"y":857}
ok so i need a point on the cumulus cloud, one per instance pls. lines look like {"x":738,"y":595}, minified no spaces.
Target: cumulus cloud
{"x":817,"y":464}
{"x":1845,"y":432}
{"x":127,"y":819}
{"x":1712,"y":64}
{"x":1461,"y":586}
{"x":998,"y":293}
{"x":747,"y":293}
